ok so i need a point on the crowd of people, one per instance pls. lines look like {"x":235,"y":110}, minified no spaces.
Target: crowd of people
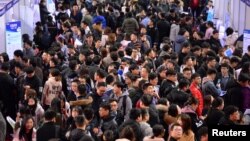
{"x":124,"y":70}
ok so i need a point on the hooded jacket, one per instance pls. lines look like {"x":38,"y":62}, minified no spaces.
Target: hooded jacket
{"x":52,"y":89}
{"x":178,"y":42}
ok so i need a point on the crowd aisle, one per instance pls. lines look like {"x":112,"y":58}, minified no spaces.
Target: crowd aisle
{"x":124,"y":70}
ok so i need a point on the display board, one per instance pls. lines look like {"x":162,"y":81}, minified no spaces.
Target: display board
{"x":13,"y":37}
{"x":246,"y":40}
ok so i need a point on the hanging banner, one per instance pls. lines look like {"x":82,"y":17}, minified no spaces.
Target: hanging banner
{"x":247,"y":2}
{"x":5,"y":5}
{"x":246,"y":40}
{"x":13,"y":37}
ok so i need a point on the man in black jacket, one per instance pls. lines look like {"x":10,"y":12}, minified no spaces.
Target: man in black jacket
{"x":48,"y":130}
{"x":163,"y":27}
{"x":169,"y":84}
{"x":215,"y":41}
{"x":31,"y":81}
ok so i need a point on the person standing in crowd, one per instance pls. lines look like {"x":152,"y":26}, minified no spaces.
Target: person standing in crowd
{"x":27,"y":131}
{"x":208,"y":86}
{"x":196,"y":92}
{"x":3,"y":127}
{"x":89,"y":53}
{"x":8,"y":93}
{"x":48,"y":130}
{"x":175,"y":132}
{"x":52,"y":88}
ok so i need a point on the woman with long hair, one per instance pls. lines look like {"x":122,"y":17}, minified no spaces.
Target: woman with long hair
{"x":26,"y":132}
{"x":185,"y":121}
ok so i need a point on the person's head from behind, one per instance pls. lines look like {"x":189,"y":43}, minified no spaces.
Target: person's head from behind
{"x":211,"y":73}
{"x":135,"y":114}
{"x":158,"y":131}
{"x":50,"y":116}
{"x":244,"y":79}
{"x":218,"y":103}
{"x":145,"y":115}
{"x":229,"y":31}
{"x":174,"y":110}
{"x":183,"y":84}
{"x":80,"y":121}
{"x":108,"y":135}
{"x":89,"y":115}
{"x":193,"y":102}
{"x":82,"y":90}
{"x":87,"y":138}
{"x":128,"y":133}
{"x":176,"y":131}
{"x":146,"y":100}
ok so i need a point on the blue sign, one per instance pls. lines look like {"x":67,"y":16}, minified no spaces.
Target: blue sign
{"x":6,"y":5}
{"x":13,"y":37}
{"x":246,"y":40}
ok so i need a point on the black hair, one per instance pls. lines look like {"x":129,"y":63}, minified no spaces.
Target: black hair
{"x":144,"y":113}
{"x":157,"y":130}
{"x":183,"y":83}
{"x":79,"y":120}
{"x":230,"y":110}
{"x":229,"y":31}
{"x":101,"y":84}
{"x":105,"y":106}
{"x":49,"y":115}
{"x":134,"y":113}
{"x":18,"y":53}
{"x":243,"y":77}
{"x":217,"y":102}
{"x":119,"y":84}
{"x":195,"y":75}
{"x":22,"y":132}
{"x":152,"y":76}
{"x":163,"y":101}
{"x":173,"y":110}
{"x":97,"y":59}
{"x":110,"y":79}
{"x":211,"y":71}
{"x":101,"y":73}
{"x":147,"y":99}
{"x":89,"y":113}
{"x":182,"y":31}
{"x":192,"y":100}
{"x":82,"y":89}
{"x":185,"y":45}
{"x":129,"y":51}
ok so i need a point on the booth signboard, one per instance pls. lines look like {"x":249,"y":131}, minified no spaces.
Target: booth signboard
{"x":246,"y":40}
{"x":13,"y":37}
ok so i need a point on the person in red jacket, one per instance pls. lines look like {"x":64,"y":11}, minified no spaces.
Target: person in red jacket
{"x":196,"y":92}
